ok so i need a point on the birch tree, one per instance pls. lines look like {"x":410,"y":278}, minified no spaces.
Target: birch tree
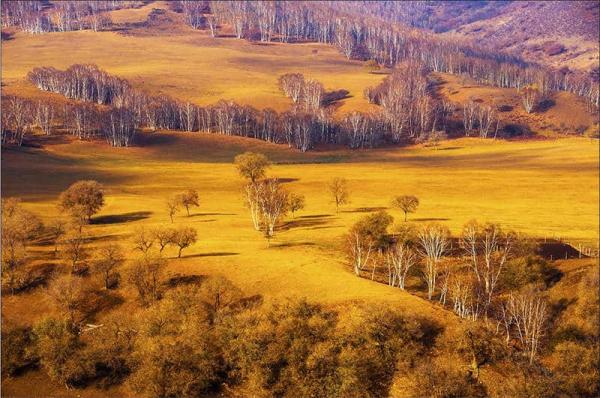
{"x":433,"y":241}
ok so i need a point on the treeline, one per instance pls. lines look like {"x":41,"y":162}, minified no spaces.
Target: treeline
{"x":347,"y":25}
{"x":409,"y":111}
{"x":34,"y":16}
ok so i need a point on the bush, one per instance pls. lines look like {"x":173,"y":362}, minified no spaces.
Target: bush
{"x":17,"y":351}
{"x":529,"y":270}
{"x":437,"y":381}
{"x":576,"y":369}
{"x":58,"y":346}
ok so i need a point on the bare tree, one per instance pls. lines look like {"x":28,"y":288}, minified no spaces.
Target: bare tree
{"x":292,"y":85}
{"x":433,"y":240}
{"x":107,"y":259}
{"x":360,"y":249}
{"x":295,"y":202}
{"x":338,"y":187}
{"x":406,"y":203}
{"x":147,"y":276}
{"x":488,"y":248}
{"x":45,"y":117}
{"x":163,"y":237}
{"x":530,"y":97}
{"x":184,"y":237}
{"x":172,"y":207}
{"x":529,"y":314}
{"x":252,"y":192}
{"x":68,"y":296}
{"x":313,"y":94}
{"x":399,"y":259}
{"x":464,"y":297}
{"x":273,"y":204}
{"x":188,"y":199}
{"x":74,"y":250}
{"x":56,"y":229}
{"x":143,"y":240}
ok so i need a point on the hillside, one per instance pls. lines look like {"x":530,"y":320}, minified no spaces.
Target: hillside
{"x":299,"y":199}
{"x":554,"y":33}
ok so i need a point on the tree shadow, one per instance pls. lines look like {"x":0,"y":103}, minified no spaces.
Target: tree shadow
{"x":247,"y":303}
{"x":213,"y":254}
{"x":331,"y":97}
{"x":545,"y":105}
{"x":100,"y":301}
{"x":304,"y":222}
{"x":38,"y":276}
{"x":365,"y":209}
{"x":212,"y":214}
{"x":179,"y":280}
{"x":292,"y":244}
{"x":121,"y":218}
{"x":286,"y":180}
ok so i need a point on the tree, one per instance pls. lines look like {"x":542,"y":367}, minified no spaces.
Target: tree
{"x":173,"y":207}
{"x":433,"y":240}
{"x":143,"y":240}
{"x":406,"y":203}
{"x":68,"y":296}
{"x":108,"y":259}
{"x":146,"y":276}
{"x":366,"y":235}
{"x":295,"y":202}
{"x":184,"y":237}
{"x":530,"y":97}
{"x":529,"y":315}
{"x":252,"y":166}
{"x":19,"y":227}
{"x":219,"y":296}
{"x":163,"y":236}
{"x":338,"y":187}
{"x":273,"y":205}
{"x":56,"y":229}
{"x":57,"y":343}
{"x":74,"y":250}
{"x":488,"y":248}
{"x":399,"y":259}
{"x":85,"y":197}
{"x":188,"y":199}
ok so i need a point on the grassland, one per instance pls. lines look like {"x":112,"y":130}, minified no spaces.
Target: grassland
{"x":542,"y":188}
{"x":191,"y":66}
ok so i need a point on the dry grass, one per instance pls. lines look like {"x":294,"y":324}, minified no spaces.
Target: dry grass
{"x":191,"y":66}
{"x":542,"y":188}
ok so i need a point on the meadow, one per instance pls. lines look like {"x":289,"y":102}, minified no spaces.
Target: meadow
{"x":541,"y":188}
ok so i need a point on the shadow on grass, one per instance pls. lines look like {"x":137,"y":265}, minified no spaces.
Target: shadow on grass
{"x":211,"y":214}
{"x":214,"y":254}
{"x":365,"y":209}
{"x":121,"y":218}
{"x":179,"y":280}
{"x":291,"y":244}
{"x":305,"y":222}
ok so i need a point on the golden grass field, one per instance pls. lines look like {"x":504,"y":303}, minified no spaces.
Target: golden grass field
{"x":544,"y":187}
{"x":191,"y":66}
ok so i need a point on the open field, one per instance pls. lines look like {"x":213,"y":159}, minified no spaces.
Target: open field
{"x":191,"y":66}
{"x":542,"y":188}
{"x":544,"y":185}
